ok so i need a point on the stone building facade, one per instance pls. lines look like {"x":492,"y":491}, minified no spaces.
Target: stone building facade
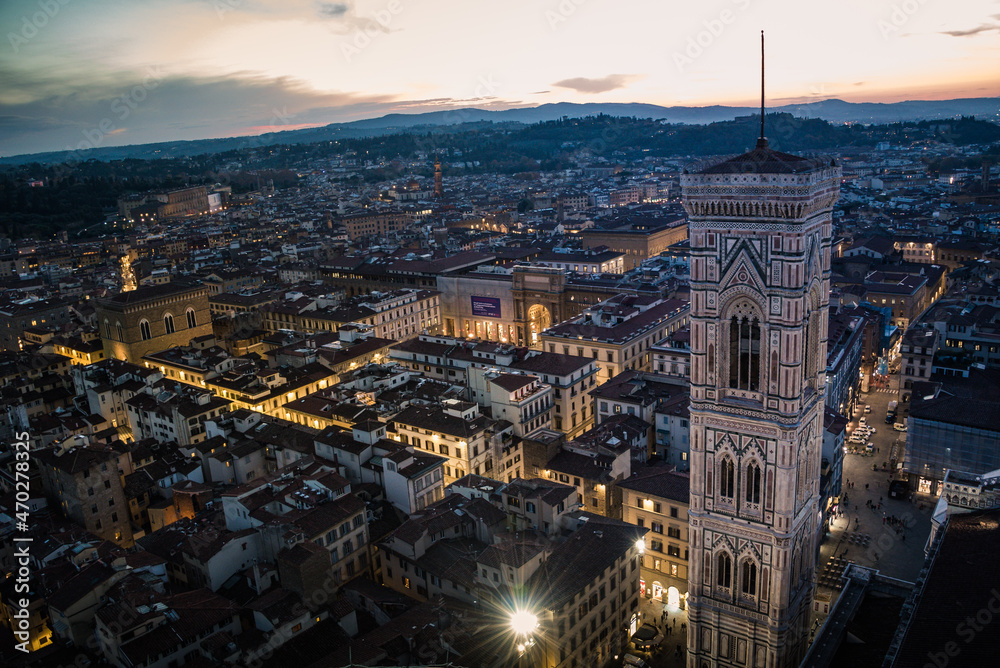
{"x":760,"y":231}
{"x":85,"y":484}
{"x":638,"y":241}
{"x":153,"y":318}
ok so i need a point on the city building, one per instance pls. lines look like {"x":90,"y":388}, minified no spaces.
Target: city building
{"x":17,"y":317}
{"x":974,"y":331}
{"x":618,"y":333}
{"x":522,"y":400}
{"x":539,"y":505}
{"x":456,"y":431}
{"x":845,"y":344}
{"x":917,"y":351}
{"x":672,"y":355}
{"x":639,"y":239}
{"x":656,"y":498}
{"x":84,"y":482}
{"x":593,"y":466}
{"x":586,"y":595}
{"x":380,"y":223}
{"x":469,"y":362}
{"x":396,"y":315}
{"x":656,"y":399}
{"x":760,"y":230}
{"x":952,"y":425}
{"x":588,"y":261}
{"x":413,"y":480}
{"x":152,"y":318}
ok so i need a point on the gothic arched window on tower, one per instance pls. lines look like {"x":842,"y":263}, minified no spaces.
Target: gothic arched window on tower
{"x":753,"y":483}
{"x":749,"y":578}
{"x":744,"y":353}
{"x":144,"y":330}
{"x":168,"y":323}
{"x":723,"y":570}
{"x":727,"y":475}
{"x":192,"y":321}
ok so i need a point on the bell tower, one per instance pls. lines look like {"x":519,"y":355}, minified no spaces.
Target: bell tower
{"x":760,"y":231}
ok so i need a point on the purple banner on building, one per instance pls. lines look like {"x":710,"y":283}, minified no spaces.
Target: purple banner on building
{"x":486,"y":307}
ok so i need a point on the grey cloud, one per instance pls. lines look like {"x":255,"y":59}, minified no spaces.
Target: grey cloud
{"x":985,"y":27}
{"x":130,"y":111}
{"x":598,"y":85}
{"x":332,"y":9}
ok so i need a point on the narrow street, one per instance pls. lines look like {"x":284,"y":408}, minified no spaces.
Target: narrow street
{"x":875,"y":530}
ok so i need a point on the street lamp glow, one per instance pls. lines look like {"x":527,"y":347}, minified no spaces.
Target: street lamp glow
{"x":523,"y":622}
{"x":640,"y":545}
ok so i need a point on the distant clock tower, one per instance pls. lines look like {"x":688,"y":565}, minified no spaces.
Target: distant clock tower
{"x":438,"y":179}
{"x":760,"y":231}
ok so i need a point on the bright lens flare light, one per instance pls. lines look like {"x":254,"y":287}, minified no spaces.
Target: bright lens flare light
{"x":523,"y":622}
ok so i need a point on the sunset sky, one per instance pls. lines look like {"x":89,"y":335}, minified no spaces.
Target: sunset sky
{"x":112,"y":72}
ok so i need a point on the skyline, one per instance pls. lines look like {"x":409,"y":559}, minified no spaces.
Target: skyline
{"x":87,"y":74}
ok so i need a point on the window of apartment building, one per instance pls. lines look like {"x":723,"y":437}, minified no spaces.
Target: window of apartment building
{"x":673,"y":551}
{"x":656,"y":527}
{"x":673,"y":511}
{"x":673,"y":532}
{"x":656,"y":546}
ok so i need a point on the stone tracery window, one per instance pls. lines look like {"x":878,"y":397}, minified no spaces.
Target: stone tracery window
{"x":744,"y":352}
{"x":723,"y":570}
{"x":727,"y":478}
{"x":748,"y":578}
{"x":753,"y":483}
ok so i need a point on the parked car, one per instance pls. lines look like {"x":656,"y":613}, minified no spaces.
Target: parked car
{"x":869,"y":447}
{"x":868,"y":409}
{"x":633,"y":660}
{"x":899,"y":426}
{"x":647,"y":637}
